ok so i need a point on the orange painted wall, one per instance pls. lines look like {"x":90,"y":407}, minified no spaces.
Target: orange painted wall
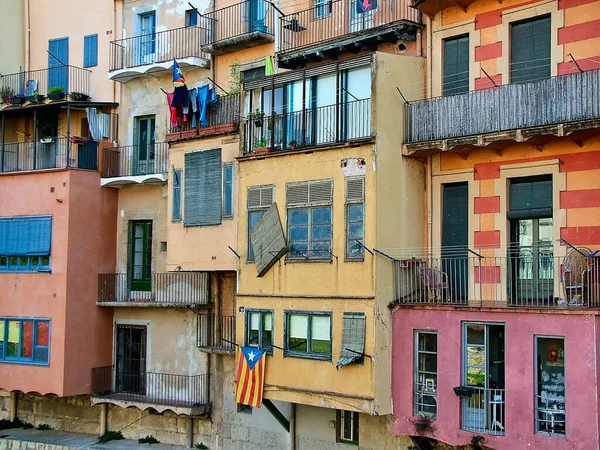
{"x":82,"y":232}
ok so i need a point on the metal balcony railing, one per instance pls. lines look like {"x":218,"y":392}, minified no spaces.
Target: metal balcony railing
{"x":72,"y":80}
{"x":234,"y":21}
{"x":134,"y":160}
{"x":171,"y":288}
{"x":531,"y":281}
{"x":150,"y":387}
{"x":338,"y":19}
{"x":484,"y":411}
{"x":325,"y":125}
{"x":226,"y":111}
{"x":216,"y":332}
{"x":561,"y":99}
{"x":160,"y":47}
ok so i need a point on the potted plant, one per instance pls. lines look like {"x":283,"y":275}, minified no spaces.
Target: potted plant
{"x":257,"y":116}
{"x":35,"y":98}
{"x":261,"y":146}
{"x":292,"y":144}
{"x":6,"y":92}
{"x":17,"y":99}
{"x":56,"y":93}
{"x":80,"y":96}
{"x":463,"y":391}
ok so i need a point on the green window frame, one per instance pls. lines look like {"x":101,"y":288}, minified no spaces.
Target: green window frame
{"x":259,"y":329}
{"x":308,"y":334}
{"x":25,"y":340}
{"x":456,"y":65}
{"x":228,"y":190}
{"x":347,"y":427}
{"x":176,"y":211}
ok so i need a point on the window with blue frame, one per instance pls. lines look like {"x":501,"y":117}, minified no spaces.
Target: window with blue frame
{"x":176,"y":211}
{"x":355,"y":218}
{"x":308,"y":334}
{"x":24,"y":340}
{"x":259,"y":329}
{"x":191,"y":18}
{"x":25,"y":244}
{"x":228,"y":190}
{"x":90,"y":50}
{"x":322,"y":8}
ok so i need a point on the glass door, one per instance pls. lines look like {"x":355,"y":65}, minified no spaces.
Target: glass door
{"x":144,"y":152}
{"x":147,"y":37}
{"x":141,"y":255}
{"x":257,"y":15}
{"x":131,"y":359}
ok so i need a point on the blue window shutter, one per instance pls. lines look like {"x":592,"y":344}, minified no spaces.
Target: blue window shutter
{"x":176,"y":211}
{"x":25,"y":236}
{"x":90,"y":50}
{"x":202,"y":205}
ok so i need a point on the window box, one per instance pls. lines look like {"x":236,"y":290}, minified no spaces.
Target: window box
{"x":56,"y":95}
{"x":463,"y":391}
{"x":17,"y":100}
{"x":262,"y":151}
{"x":79,"y":96}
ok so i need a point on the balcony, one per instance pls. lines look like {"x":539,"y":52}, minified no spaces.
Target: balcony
{"x":134,"y":164}
{"x":171,"y":289}
{"x":528,"y":280}
{"x":216,"y":333}
{"x":325,"y":126}
{"x":483,"y":412}
{"x":327,"y":30}
{"x":182,"y":394}
{"x":43,"y":86}
{"x":222,"y":117}
{"x":535,"y":112}
{"x":48,"y":153}
{"x":153,"y":54}
{"x":239,"y":26}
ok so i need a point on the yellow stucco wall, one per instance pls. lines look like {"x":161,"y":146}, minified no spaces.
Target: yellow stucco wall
{"x":13,"y":55}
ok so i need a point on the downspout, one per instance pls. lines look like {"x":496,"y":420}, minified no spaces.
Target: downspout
{"x":428,"y":59}
{"x":27,"y":38}
{"x":292,"y":426}
{"x":430,"y":205}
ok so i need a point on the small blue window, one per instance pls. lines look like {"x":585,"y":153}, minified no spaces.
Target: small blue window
{"x":191,"y":18}
{"x":176,"y":212}
{"x":25,"y":244}
{"x":90,"y":50}
{"x":309,"y":232}
{"x":25,"y":340}
{"x":228,"y":190}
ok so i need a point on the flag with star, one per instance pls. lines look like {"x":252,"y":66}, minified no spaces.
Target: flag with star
{"x":178,"y":79}
{"x":250,"y":376}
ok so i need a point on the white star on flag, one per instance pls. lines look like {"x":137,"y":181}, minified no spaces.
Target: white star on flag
{"x":251,"y":356}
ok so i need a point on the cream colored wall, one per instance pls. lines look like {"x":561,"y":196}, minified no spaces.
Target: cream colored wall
{"x":170,"y":14}
{"x":400,"y":200}
{"x":203,"y":248}
{"x":11,"y":31}
{"x":64,"y":18}
{"x":142,"y":203}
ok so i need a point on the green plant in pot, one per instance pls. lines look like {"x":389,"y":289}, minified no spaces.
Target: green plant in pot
{"x":80,"y":96}
{"x":56,"y":93}
{"x":36,"y":97}
{"x":292,"y":144}
{"x":257,"y":117}
{"x":261,"y":145}
{"x":6,"y":93}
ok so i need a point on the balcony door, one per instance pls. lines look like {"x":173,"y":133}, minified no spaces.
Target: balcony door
{"x":141,"y":255}
{"x":455,"y":240}
{"x":257,"y":13}
{"x":144,"y":150}
{"x":130,"y":359}
{"x":58,"y":63}
{"x":361,"y":14}
{"x":147,"y":42}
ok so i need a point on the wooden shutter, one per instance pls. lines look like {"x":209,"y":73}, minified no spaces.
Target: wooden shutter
{"x":260,"y":197}
{"x":26,"y":236}
{"x":456,"y":65}
{"x":530,"y":198}
{"x":353,"y":338}
{"x":309,"y":193}
{"x":202,"y":196}
{"x":176,"y":211}
{"x":355,"y":189}
{"x":90,"y":50}
{"x":268,"y":240}
{"x":530,"y":50}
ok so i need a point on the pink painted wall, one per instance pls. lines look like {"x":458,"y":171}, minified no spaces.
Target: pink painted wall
{"x":521,"y":327}
{"x":75,"y":330}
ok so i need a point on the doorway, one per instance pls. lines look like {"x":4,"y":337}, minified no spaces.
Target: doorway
{"x":144,"y":153}
{"x":141,"y":255}
{"x":131,"y":359}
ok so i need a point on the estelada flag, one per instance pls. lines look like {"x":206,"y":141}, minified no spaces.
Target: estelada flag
{"x":178,"y":79}
{"x":250,"y":376}
{"x":363,"y":6}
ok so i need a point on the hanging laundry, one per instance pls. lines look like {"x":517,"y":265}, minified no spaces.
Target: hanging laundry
{"x":193,"y":96}
{"x":172,"y":110}
{"x":212,"y":96}
{"x":203,"y":93}
{"x":94,"y":126}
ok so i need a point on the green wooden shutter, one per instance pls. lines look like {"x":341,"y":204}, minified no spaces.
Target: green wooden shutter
{"x":530,"y":50}
{"x":202,"y":196}
{"x":456,"y":65}
{"x":530,"y":198}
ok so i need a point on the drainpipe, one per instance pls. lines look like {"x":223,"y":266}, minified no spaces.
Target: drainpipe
{"x":3,"y":136}
{"x":189,"y":439}
{"x":429,"y":55}
{"x":419,"y":44}
{"x":292,"y":426}
{"x":103,"y":417}
{"x":13,"y":406}
{"x":430,"y":204}
{"x":27,"y":37}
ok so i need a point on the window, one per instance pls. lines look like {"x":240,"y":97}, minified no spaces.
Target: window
{"x":176,"y":211}
{"x":309,"y":218}
{"x":551,"y":413}
{"x":90,"y":50}
{"x":191,"y":18}
{"x":202,"y":193}
{"x":308,"y":334}
{"x":322,"y":8}
{"x":228,"y":190}
{"x":140,"y":259}
{"x":259,"y":330}
{"x":456,"y":65}
{"x":144,"y":134}
{"x":130,"y":358}
{"x":259,"y":200}
{"x":147,"y":43}
{"x":251,"y":74}
{"x":25,"y":340}
{"x":355,"y":226}
{"x":425,"y":398}
{"x":25,"y":244}
{"x":530,"y":50}
{"x":353,"y":339}
{"x":347,"y":427}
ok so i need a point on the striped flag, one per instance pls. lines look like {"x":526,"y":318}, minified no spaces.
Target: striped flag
{"x":250,"y":376}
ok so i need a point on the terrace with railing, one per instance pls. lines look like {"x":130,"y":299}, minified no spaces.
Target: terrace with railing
{"x":216,"y":333}
{"x":153,"y":53}
{"x":175,"y":289}
{"x":186,"y":394}
{"x":334,"y":27}
{"x":242,"y":25}
{"x":135,"y":160}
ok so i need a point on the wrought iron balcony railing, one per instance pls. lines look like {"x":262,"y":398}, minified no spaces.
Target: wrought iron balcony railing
{"x":216,"y":332}
{"x":556,"y":100}
{"x":484,"y":412}
{"x":135,"y":160}
{"x":325,"y":125}
{"x":35,"y":85}
{"x":223,"y":116}
{"x":160,"y":47}
{"x":529,"y":280}
{"x":159,"y":289}
{"x":186,"y":391}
